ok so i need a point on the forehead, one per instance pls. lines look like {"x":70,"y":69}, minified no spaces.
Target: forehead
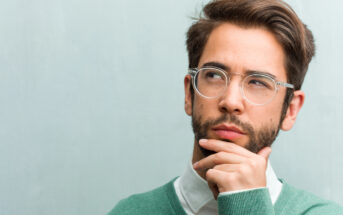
{"x":245,"y":49}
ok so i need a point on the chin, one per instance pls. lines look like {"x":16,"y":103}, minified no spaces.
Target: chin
{"x":239,"y":142}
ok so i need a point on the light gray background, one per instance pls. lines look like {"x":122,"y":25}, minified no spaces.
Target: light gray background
{"x":91,"y":99}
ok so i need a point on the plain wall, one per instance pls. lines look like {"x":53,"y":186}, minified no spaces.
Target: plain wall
{"x":92,"y":96}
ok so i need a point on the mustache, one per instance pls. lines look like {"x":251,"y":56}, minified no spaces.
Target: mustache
{"x":257,"y":138}
{"x":232,"y":119}
{"x":201,"y":130}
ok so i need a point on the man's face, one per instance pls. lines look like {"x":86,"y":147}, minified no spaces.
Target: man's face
{"x":230,"y":117}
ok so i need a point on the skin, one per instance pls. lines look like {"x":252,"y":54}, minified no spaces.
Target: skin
{"x":233,"y":167}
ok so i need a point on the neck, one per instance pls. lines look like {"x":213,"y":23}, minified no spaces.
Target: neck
{"x":197,"y":156}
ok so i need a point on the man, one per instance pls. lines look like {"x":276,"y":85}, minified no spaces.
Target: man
{"x":247,"y":62}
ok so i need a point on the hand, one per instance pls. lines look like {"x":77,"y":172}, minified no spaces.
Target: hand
{"x":233,"y":167}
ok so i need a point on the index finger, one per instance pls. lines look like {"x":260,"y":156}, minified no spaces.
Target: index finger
{"x":222,"y":146}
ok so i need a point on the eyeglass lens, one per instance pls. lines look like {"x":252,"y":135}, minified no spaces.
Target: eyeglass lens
{"x":257,"y":89}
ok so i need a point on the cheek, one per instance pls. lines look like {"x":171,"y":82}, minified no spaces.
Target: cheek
{"x":201,"y":106}
{"x":264,"y":115}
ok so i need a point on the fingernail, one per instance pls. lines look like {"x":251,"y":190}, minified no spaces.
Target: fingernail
{"x":203,"y":140}
{"x":195,"y":165}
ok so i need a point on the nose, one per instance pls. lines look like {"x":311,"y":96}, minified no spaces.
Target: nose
{"x":232,"y":101}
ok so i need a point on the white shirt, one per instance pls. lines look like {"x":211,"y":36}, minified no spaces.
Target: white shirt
{"x":197,"y":199}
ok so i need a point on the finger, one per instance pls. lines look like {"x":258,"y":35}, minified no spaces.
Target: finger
{"x":223,"y":180}
{"x":265,"y":152}
{"x":220,"y":146}
{"x":228,"y":167}
{"x":217,"y":159}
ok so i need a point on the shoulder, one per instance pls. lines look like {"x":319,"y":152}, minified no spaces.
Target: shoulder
{"x":297,"y":201}
{"x":157,"y":201}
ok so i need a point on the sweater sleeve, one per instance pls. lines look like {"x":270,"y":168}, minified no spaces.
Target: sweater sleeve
{"x":255,"y":202}
{"x":327,"y":208}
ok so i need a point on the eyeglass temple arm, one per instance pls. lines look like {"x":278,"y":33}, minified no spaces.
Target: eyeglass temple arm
{"x":285,"y":84}
{"x":192,"y":72}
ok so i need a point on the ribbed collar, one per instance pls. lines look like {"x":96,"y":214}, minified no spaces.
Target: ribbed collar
{"x":196,"y":193}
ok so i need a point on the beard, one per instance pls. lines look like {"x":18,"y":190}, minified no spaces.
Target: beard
{"x":257,"y":139}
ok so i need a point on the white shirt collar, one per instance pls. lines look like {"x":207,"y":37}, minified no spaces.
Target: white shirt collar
{"x":195,"y":189}
{"x":194,"y":193}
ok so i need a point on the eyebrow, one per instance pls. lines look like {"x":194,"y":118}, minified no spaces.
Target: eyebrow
{"x":253,"y":72}
{"x":227,"y":69}
{"x":216,"y":64}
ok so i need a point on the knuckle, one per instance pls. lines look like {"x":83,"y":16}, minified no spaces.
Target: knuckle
{"x":218,"y":157}
{"x":244,"y":169}
{"x":217,"y":167}
{"x":229,"y":147}
{"x":231,"y":178}
{"x":209,"y":173}
{"x":253,"y":163}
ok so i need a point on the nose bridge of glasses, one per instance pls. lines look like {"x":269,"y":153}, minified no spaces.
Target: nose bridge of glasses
{"x":230,"y":78}
{"x":234,"y":85}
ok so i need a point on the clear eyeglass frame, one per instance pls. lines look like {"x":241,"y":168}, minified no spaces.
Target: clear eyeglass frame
{"x":193,"y":72}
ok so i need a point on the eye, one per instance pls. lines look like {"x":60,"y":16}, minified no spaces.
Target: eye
{"x":212,"y":75}
{"x":259,"y":82}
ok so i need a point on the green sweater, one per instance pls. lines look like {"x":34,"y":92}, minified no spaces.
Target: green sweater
{"x":164,"y":201}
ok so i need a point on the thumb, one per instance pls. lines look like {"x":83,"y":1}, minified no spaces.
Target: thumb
{"x":265,"y":152}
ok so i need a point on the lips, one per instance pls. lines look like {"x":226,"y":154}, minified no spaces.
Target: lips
{"x":228,"y":132}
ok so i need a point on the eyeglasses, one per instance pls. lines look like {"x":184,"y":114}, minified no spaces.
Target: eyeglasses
{"x":257,"y":89}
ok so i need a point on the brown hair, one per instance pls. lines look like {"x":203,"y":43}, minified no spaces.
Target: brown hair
{"x":275,"y":15}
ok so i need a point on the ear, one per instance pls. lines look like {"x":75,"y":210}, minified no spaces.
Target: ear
{"x":188,"y":97}
{"x":293,"y":110}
